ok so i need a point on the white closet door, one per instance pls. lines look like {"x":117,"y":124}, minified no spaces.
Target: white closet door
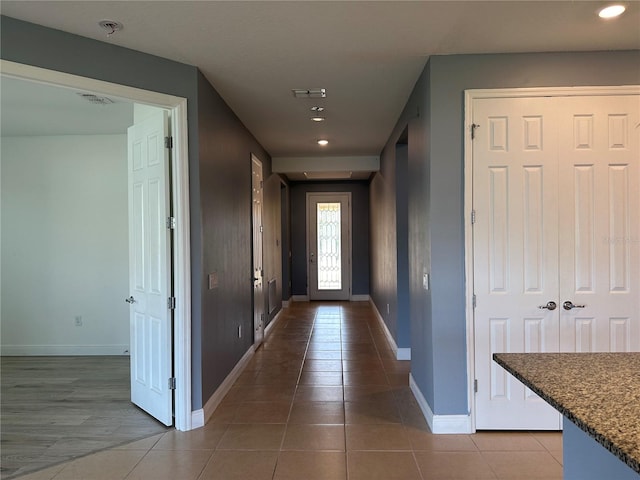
{"x":600,"y":223}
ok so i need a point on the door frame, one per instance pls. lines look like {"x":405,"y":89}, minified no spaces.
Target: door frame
{"x":184,"y":419}
{"x":349,"y":272}
{"x":469,"y":96}
{"x":261,"y":323}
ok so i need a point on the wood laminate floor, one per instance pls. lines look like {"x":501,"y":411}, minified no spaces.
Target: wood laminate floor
{"x":54,"y":409}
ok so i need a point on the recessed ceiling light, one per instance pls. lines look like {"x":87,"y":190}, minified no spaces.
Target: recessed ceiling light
{"x":318,"y":118}
{"x":612,"y":11}
{"x":323,"y":142}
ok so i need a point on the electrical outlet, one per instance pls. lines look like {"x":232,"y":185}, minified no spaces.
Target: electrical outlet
{"x":78,"y":319}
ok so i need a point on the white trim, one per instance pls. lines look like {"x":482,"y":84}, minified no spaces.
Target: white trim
{"x":469,"y":97}
{"x":299,"y":298}
{"x":180,"y":193}
{"x":331,"y":294}
{"x":272,"y":324}
{"x":197,"y":418}
{"x":552,"y":92}
{"x":226,"y":385}
{"x":360,"y":298}
{"x":439,"y":424}
{"x":55,"y":350}
{"x":400,"y":353}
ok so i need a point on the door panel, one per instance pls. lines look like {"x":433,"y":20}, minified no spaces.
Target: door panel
{"x":149,"y":268}
{"x":600,"y":223}
{"x":515,"y":254}
{"x":258,"y":284}
{"x":329,"y":245}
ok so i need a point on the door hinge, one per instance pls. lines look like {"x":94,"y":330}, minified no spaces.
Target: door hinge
{"x":168,"y":142}
{"x":473,"y":130}
{"x":475,"y":386}
{"x":473,"y":300}
{"x":171,"y":303}
{"x":172,"y":383}
{"x":261,"y":183}
{"x":473,"y":217}
{"x":261,"y":230}
{"x":171,"y":223}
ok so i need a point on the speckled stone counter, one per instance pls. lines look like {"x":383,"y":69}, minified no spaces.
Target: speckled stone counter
{"x":598,"y":392}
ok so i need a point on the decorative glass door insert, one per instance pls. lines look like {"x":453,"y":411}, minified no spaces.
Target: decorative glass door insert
{"x":329,"y":246}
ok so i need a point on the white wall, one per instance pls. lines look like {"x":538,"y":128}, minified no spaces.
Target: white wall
{"x":64,"y":245}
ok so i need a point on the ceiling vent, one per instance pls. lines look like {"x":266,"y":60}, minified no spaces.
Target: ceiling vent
{"x":313,"y":93}
{"x":95,"y":99}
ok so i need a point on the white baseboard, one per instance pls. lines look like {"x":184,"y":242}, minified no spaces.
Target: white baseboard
{"x":197,"y":418}
{"x":440,"y":423}
{"x":215,"y":399}
{"x":360,"y":298}
{"x":272,"y":324}
{"x":401,"y":353}
{"x":62,"y":350}
{"x":299,"y":298}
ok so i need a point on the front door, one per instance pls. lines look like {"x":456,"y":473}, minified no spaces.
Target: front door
{"x":150,"y":268}
{"x":555,"y":195}
{"x":329,"y":245}
{"x":258,"y":272}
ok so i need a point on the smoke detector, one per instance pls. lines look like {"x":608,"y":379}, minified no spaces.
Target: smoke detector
{"x":95,"y":99}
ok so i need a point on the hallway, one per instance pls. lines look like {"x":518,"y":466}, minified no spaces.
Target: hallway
{"x":323,"y":398}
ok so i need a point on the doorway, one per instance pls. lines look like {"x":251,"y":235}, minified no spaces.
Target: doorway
{"x":257,"y":202}
{"x":552,"y":192}
{"x":329,"y":245}
{"x":179,"y":196}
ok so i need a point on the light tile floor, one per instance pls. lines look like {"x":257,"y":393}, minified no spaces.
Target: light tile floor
{"x":322,"y":399}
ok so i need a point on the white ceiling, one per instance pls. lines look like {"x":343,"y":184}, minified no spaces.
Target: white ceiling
{"x":34,"y":109}
{"x":366,"y":54}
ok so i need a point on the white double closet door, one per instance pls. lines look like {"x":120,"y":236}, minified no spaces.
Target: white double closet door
{"x":556,"y":194}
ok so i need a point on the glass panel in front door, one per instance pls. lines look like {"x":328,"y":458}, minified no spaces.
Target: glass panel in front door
{"x":329,"y":246}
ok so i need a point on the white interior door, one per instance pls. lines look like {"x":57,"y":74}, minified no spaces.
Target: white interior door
{"x":555,"y":193}
{"x":258,"y":271}
{"x":600,"y":217}
{"x":329,"y":245}
{"x":149,"y":268}
{"x":515,"y":254}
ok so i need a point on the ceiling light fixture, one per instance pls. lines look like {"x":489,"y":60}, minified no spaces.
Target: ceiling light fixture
{"x":611,"y":11}
{"x":318,"y":118}
{"x":317,"y":109}
{"x":323,"y":142}
{"x":309,"y":93}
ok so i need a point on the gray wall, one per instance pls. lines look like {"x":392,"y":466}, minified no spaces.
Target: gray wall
{"x":435,"y":116}
{"x":360,"y":232}
{"x":227,"y":242}
{"x":389,"y":277}
{"x":219,"y":170}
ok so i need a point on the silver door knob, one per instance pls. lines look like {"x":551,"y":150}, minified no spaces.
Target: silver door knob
{"x":130,"y":300}
{"x":549,"y":306}
{"x":568,"y":305}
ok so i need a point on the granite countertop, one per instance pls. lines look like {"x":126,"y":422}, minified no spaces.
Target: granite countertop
{"x":599,"y":392}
